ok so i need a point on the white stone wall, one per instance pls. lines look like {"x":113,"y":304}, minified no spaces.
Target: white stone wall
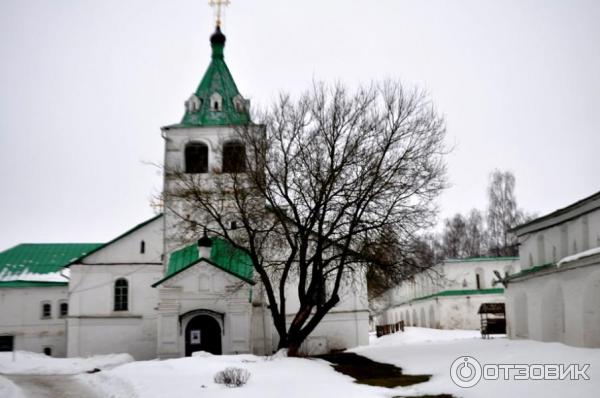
{"x":559,"y":305}
{"x":21,"y":317}
{"x":346,"y":326}
{"x":204,"y":287}
{"x":444,"y":312}
{"x":175,"y":143}
{"x":554,"y":242}
{"x":94,"y":327}
{"x":408,"y":301}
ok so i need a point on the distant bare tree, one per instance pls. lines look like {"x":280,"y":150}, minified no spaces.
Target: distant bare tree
{"x":475,"y":235}
{"x":325,"y":174}
{"x":454,"y":236}
{"x":503,"y":213}
{"x":395,"y":261}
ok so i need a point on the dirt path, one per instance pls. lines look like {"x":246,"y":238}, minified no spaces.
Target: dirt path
{"x":54,"y":386}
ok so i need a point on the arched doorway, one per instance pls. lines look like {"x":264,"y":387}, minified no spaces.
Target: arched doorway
{"x":203,"y":333}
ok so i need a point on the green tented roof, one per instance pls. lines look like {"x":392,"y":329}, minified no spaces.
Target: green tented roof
{"x":39,"y":262}
{"x":217,"y":79}
{"x":222,"y":255}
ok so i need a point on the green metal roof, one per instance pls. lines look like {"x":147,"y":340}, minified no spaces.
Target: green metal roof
{"x":479,"y":259}
{"x":222,"y":255}
{"x":462,"y":292}
{"x":532,"y":270}
{"x":32,"y":284}
{"x":217,"y":79}
{"x":468,"y":292}
{"x":37,"y":262}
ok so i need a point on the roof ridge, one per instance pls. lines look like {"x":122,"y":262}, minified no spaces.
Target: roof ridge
{"x":124,"y":234}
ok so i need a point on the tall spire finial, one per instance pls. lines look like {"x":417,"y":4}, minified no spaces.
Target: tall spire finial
{"x":218,"y":6}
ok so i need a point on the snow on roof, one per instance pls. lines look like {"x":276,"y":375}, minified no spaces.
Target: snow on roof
{"x":30,"y":263}
{"x":578,"y":256}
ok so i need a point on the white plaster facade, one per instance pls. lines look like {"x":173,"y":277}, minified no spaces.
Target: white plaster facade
{"x":154,"y":320}
{"x":94,"y":327}
{"x":554,"y":299}
{"x":448,"y":295}
{"x":345,"y":326}
{"x":205,"y":290}
{"x":22,"y":317}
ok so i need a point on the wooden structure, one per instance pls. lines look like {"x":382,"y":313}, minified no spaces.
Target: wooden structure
{"x":493,"y":319}
{"x":382,"y":330}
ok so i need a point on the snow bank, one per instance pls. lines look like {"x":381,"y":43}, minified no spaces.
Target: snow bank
{"x":579,"y":255}
{"x":8,"y":389}
{"x":33,"y":363}
{"x":414,"y":335}
{"x":271,"y":377}
{"x":427,"y":351}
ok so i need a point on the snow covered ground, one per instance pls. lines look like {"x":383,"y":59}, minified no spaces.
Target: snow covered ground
{"x":432,"y":351}
{"x":39,"y":364}
{"x":417,"y":351}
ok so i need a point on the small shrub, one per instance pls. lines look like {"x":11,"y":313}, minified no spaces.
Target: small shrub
{"x":232,"y":377}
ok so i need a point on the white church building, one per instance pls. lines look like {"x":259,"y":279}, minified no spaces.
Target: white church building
{"x":448,"y":295}
{"x":153,"y":292}
{"x":556,"y":296}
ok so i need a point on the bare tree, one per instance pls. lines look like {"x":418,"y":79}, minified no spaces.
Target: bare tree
{"x":475,"y":235}
{"x":503,"y":213}
{"x":454,"y":237}
{"x":324,"y":174}
{"x":394,"y":261}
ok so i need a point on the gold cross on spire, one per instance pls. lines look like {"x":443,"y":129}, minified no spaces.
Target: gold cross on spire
{"x":218,"y":6}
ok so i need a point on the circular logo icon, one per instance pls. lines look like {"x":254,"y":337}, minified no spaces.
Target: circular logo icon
{"x":465,"y":371}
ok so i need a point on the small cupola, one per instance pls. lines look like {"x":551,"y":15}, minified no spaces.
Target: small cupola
{"x":204,"y":246}
{"x":217,"y":43}
{"x":217,"y":100}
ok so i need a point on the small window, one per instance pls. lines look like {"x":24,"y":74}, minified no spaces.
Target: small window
{"x":196,"y":158}
{"x":233,"y":225}
{"x":142,"y":247}
{"x":479,"y":279}
{"x":234,"y":158}
{"x":121,"y":295}
{"x":48,"y":351}
{"x":193,"y":104}
{"x":46,"y":310}
{"x":63,"y":310}
{"x":216,"y":102}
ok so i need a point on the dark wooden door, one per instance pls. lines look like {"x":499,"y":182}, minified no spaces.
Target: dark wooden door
{"x":203,"y":333}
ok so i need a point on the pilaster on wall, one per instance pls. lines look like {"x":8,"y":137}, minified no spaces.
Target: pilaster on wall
{"x":168,"y":325}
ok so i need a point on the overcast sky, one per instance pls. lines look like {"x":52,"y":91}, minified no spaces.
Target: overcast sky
{"x":85,"y":86}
